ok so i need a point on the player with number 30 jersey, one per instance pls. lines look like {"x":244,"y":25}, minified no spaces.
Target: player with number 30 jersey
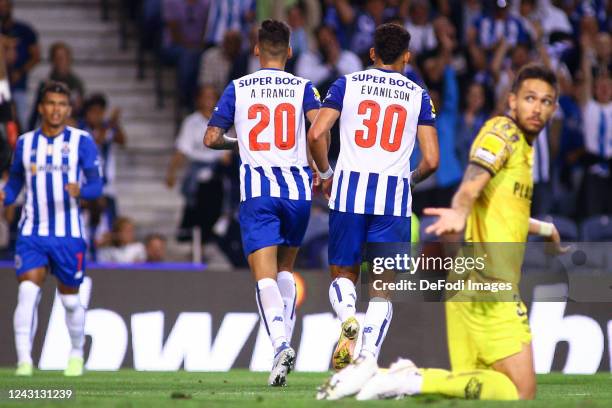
{"x":268,"y":109}
{"x":382,"y":114}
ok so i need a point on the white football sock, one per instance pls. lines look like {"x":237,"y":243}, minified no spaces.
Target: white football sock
{"x":270,"y":304}
{"x":375,"y":325}
{"x":25,"y":320}
{"x":343,"y":297}
{"x":286,"y":286}
{"x":75,"y":321}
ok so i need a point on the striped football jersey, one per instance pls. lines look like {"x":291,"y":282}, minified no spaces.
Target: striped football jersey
{"x":379,"y":114}
{"x":268,"y":111}
{"x":46,"y":165}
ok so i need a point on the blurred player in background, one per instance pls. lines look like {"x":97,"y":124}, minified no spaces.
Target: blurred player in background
{"x":382,"y":114}
{"x":489,"y":342}
{"x":268,"y":108}
{"x":49,"y":161}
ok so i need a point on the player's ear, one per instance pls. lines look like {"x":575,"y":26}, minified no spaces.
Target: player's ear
{"x":256,"y":50}
{"x":512,"y":101}
{"x":289,"y":52}
{"x":406,"y":57}
{"x":372,"y":54}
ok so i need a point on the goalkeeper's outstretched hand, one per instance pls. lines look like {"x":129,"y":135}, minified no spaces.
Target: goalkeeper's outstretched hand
{"x":450,"y":221}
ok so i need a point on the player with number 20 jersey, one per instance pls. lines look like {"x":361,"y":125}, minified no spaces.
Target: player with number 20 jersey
{"x":268,"y":109}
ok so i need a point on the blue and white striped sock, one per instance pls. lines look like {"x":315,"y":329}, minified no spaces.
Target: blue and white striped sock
{"x":286,"y":286}
{"x":375,"y":325}
{"x":343,"y":297}
{"x":270,"y":305}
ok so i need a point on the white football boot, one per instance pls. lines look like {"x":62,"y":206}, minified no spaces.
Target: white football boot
{"x":284,"y":362}
{"x":350,"y":379}
{"x":401,"y":379}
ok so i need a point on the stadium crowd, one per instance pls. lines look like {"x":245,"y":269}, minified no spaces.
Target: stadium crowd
{"x":465,"y":53}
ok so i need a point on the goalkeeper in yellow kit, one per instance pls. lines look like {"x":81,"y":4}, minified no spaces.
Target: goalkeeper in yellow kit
{"x":489,"y":343}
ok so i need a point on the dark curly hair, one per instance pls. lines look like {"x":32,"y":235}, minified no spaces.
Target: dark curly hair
{"x":273,"y":37}
{"x":390,"y":42}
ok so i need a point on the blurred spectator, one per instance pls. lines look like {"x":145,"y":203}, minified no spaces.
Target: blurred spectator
{"x":501,"y":24}
{"x":107,"y":133}
{"x":123,"y":247}
{"x":472,"y":118}
{"x":26,"y":57}
{"x":203,"y":179}
{"x":296,"y":18}
{"x":332,"y":18}
{"x":328,"y":62}
{"x":596,"y":104}
{"x":422,"y":36}
{"x":542,"y":15}
{"x":446,"y":102}
{"x":217,"y":61}
{"x":544,"y":151}
{"x":155,"y":246}
{"x":571,"y":146}
{"x":229,"y":15}
{"x":60,"y":56}
{"x":602,"y":60}
{"x":360,"y":23}
{"x":504,"y":69}
{"x":471,"y":11}
{"x":185,"y":24}
{"x":247,"y":62}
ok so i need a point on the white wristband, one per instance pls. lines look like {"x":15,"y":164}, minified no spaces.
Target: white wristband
{"x":327,"y":174}
{"x":546,"y":229}
{"x":228,"y":139}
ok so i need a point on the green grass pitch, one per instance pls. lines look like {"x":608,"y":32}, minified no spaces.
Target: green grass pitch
{"x":128,"y":388}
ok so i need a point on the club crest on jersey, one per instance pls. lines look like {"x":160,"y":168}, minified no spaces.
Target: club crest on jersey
{"x":65,"y":150}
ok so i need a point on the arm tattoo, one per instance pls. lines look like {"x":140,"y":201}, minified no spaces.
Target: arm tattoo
{"x":416,"y":177}
{"x":215,"y":139}
{"x":473,"y":171}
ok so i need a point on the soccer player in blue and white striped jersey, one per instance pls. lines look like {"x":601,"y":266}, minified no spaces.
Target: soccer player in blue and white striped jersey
{"x":382,"y":114}
{"x":268,"y":109}
{"x":49,"y":161}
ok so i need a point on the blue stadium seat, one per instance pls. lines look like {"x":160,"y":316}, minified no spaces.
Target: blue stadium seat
{"x":597,"y":228}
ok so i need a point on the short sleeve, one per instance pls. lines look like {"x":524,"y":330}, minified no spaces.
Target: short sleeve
{"x":223,"y":115}
{"x":490,"y":151}
{"x":88,"y":153}
{"x":427,"y":115}
{"x":17,"y":163}
{"x":312,"y":99}
{"x":335,"y":94}
{"x":183,"y":141}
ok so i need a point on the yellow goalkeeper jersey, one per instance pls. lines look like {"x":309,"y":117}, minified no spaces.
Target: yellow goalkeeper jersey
{"x":501,"y":213}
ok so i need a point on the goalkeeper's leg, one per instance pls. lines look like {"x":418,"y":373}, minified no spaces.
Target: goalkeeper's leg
{"x":510,"y":378}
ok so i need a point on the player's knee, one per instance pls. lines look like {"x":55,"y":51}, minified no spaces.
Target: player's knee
{"x":527,"y":390}
{"x":344,"y":272}
{"x":71,"y":302}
